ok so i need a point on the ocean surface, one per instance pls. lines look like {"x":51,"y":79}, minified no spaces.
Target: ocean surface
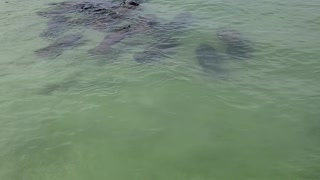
{"x":84,"y":117}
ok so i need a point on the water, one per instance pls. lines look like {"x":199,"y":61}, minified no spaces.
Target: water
{"x":79,"y":117}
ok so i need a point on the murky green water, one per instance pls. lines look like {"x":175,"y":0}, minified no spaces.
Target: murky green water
{"x":78,"y":117}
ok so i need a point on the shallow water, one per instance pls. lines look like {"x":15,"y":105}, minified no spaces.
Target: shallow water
{"x":82,"y":117}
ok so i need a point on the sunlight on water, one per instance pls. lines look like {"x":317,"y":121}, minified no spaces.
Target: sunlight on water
{"x":81,"y":116}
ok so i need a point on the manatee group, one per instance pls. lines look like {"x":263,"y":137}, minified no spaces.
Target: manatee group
{"x":122,"y":19}
{"x":66,"y":15}
{"x":100,"y":15}
{"x":118,"y":19}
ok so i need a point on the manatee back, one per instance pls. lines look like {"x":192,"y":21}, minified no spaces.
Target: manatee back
{"x":208,"y":58}
{"x":237,"y":45}
{"x":180,"y":21}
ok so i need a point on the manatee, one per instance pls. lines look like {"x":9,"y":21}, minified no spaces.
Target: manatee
{"x":143,"y":25}
{"x":237,"y":46}
{"x":209,"y":59}
{"x":57,"y":25}
{"x":179,"y":22}
{"x":166,"y":37}
{"x":58,"y":46}
{"x":150,"y":55}
{"x":108,"y":41}
{"x":162,"y":49}
{"x":163,"y":33}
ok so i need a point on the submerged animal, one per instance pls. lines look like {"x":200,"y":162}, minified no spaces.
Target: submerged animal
{"x":167,"y":40}
{"x":92,"y":14}
{"x":119,"y":20}
{"x":142,"y":25}
{"x":237,"y":46}
{"x":98,"y":15}
{"x":56,"y":48}
{"x":55,"y":27}
{"x":209,"y":58}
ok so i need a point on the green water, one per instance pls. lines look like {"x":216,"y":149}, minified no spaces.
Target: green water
{"x":79,"y":117}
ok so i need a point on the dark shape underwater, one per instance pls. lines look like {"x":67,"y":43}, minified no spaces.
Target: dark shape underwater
{"x":237,"y":45}
{"x":237,"y":48}
{"x":167,"y":40}
{"x":119,"y":20}
{"x":142,"y":25}
{"x":98,"y":15}
{"x":58,"y":46}
{"x":210,"y":59}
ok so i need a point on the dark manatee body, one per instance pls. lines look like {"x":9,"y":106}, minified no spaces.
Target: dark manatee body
{"x":58,"y":46}
{"x":155,"y":52}
{"x":210,"y":59}
{"x":179,"y":23}
{"x":108,"y":42}
{"x":213,"y":61}
{"x":237,"y":46}
{"x":55,"y":27}
{"x":143,"y":25}
{"x":167,"y":39}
